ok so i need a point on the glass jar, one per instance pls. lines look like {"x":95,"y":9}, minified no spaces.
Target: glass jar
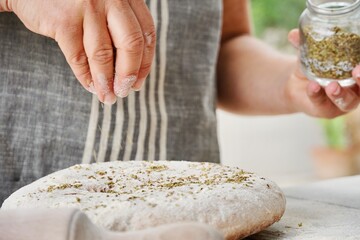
{"x":330,"y":40}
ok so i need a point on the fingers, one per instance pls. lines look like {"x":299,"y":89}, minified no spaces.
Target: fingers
{"x":294,"y":38}
{"x":356,"y":74}
{"x":99,"y":49}
{"x":345,"y":99}
{"x":89,"y":49}
{"x":129,"y":43}
{"x":316,"y":93}
{"x":324,"y":103}
{"x":6,"y":6}
{"x":70,"y":41}
{"x":149,"y":33}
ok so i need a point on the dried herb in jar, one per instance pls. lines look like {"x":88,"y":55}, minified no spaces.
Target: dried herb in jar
{"x":332,"y":56}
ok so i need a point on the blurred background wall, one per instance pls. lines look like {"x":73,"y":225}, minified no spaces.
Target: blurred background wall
{"x":282,"y":148}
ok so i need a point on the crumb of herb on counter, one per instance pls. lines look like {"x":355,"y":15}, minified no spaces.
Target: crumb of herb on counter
{"x":78,"y":199}
{"x":300,"y":224}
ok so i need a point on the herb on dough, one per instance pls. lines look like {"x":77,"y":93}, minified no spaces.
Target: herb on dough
{"x":156,"y":168}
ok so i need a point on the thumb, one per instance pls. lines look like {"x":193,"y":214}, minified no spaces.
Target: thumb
{"x":294,"y":38}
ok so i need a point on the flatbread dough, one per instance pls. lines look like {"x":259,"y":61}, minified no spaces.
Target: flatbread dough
{"x":124,"y":196}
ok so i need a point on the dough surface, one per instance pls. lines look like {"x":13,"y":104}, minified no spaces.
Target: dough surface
{"x":125,"y":196}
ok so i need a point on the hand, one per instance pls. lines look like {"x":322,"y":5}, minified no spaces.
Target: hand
{"x":98,"y":38}
{"x":309,"y":97}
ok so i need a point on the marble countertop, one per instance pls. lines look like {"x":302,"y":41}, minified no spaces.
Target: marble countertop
{"x":324,"y":210}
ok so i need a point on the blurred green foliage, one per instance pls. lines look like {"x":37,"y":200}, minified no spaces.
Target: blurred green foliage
{"x":276,"y":13}
{"x":335,"y":132}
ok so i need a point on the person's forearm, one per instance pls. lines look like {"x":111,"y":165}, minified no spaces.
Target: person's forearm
{"x":252,"y":77}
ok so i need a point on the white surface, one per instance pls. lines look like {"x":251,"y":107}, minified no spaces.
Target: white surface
{"x":278,"y":147}
{"x":328,"y":210}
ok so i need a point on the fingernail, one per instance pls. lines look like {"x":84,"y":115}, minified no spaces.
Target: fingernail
{"x":138,"y":85}
{"x":337,"y":90}
{"x":103,"y":82}
{"x":123,"y":86}
{"x":317,"y":89}
{"x":340,"y":103}
{"x":109,"y":99}
{"x":358,"y":77}
{"x":91,"y":88}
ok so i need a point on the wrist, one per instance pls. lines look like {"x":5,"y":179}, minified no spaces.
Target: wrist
{"x":289,"y":91}
{"x":5,"y":6}
{"x":289,"y":95}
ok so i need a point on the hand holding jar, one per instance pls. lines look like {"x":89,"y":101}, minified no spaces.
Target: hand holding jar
{"x":329,"y":47}
{"x":330,"y":40}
